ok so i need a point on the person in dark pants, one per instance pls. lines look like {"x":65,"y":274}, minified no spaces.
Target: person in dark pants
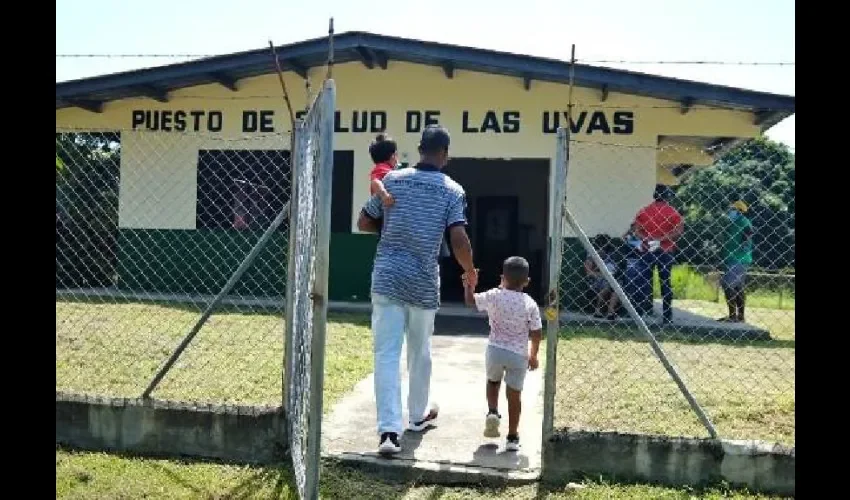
{"x":654,"y":232}
{"x":737,"y":253}
{"x":637,"y":281}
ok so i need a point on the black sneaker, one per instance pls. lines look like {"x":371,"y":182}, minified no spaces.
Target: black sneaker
{"x":512,"y":443}
{"x":389,"y":444}
{"x":426,"y":422}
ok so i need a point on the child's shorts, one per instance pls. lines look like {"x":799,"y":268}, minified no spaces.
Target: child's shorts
{"x":502,"y":363}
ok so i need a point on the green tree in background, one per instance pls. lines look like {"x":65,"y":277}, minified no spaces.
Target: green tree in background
{"x":758,"y":171}
{"x":87,"y":173}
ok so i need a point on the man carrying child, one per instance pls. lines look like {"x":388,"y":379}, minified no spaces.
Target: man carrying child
{"x":406,"y":279}
{"x":384,"y":153}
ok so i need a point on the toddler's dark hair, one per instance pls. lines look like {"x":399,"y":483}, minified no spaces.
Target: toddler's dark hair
{"x":604,"y":243}
{"x":662,"y":193}
{"x":515,"y":271}
{"x":382,"y":148}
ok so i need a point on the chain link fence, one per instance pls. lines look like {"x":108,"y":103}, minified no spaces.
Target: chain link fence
{"x":705,"y":257}
{"x":703,"y":249}
{"x":149,"y":229}
{"x":307,"y":297}
{"x":172,"y":269}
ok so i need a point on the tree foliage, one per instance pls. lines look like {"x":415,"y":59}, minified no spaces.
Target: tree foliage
{"x":759,"y":172}
{"x":87,"y":173}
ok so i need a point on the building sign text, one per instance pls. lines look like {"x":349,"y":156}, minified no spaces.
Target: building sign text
{"x":617,"y":122}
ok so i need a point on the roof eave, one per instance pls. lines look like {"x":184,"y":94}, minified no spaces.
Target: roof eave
{"x":349,"y":46}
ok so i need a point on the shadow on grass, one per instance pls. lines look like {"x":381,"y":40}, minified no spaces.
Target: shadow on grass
{"x":454,"y":325}
{"x":340,"y":481}
{"x":631,"y":333}
{"x":283,"y":478}
{"x":280,"y":477}
{"x":612,"y":486}
{"x":444,"y":325}
{"x":356,"y":319}
{"x":190,"y":305}
{"x":252,"y":481}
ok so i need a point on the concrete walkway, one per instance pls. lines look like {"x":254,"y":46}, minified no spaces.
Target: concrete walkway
{"x":455,"y":450}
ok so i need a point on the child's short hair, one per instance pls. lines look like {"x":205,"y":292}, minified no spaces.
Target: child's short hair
{"x":515,"y":270}
{"x":382,"y":148}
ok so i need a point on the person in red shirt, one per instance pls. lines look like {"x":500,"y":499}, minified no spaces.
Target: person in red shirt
{"x":654,"y":232}
{"x":384,"y":153}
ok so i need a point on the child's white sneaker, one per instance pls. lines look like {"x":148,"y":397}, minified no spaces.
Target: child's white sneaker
{"x":491,"y":425}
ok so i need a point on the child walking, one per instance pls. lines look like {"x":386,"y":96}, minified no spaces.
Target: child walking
{"x":514,"y":317}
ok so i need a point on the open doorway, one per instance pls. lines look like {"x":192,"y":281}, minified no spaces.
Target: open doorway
{"x":507,"y":209}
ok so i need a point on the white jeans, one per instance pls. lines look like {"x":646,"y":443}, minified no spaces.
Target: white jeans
{"x":391,"y":320}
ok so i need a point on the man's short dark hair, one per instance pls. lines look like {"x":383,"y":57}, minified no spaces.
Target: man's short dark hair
{"x":662,"y":193}
{"x":600,"y":240}
{"x":435,"y":139}
{"x":515,"y":270}
{"x":603,"y":242}
{"x":382,"y":148}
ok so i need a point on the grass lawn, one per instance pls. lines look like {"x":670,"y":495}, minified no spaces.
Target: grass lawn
{"x":769,"y":291}
{"x":115,"y":349}
{"x":98,"y":475}
{"x":606,"y":379}
{"x":609,"y":379}
{"x":781,"y":323}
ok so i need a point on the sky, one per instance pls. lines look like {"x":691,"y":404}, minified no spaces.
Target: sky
{"x":621,"y":30}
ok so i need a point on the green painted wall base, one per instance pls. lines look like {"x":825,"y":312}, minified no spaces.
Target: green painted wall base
{"x":198,"y":261}
{"x":575,"y":293}
{"x":350,"y":273}
{"x":201,"y":262}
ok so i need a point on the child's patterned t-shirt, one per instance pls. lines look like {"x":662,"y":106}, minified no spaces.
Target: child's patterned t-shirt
{"x":512,"y":316}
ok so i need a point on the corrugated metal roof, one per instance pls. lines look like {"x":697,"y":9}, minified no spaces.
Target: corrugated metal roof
{"x":375,"y":50}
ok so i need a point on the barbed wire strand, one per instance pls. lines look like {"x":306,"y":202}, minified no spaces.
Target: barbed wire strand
{"x":594,"y":61}
{"x":703,"y":63}
{"x":696,"y":106}
{"x":131,"y":56}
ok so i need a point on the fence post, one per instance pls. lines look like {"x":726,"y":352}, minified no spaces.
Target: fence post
{"x":289,"y":318}
{"x":320,"y":287}
{"x":553,"y":298}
